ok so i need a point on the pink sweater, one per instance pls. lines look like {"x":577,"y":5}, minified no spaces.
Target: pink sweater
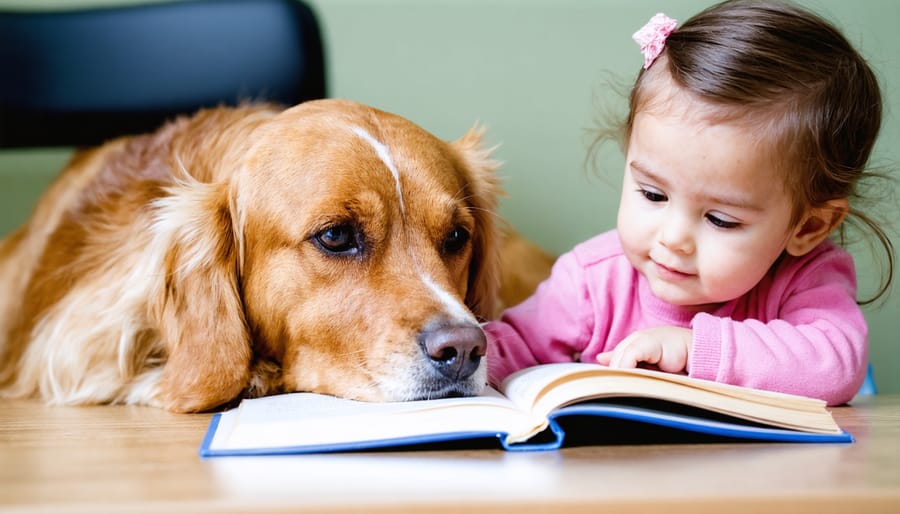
{"x":798,"y":331}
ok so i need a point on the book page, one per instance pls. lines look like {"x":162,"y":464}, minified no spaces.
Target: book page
{"x":307,"y":419}
{"x":551,"y":386}
{"x":525,"y":386}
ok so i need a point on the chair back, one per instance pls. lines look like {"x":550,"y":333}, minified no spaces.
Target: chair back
{"x":80,"y":77}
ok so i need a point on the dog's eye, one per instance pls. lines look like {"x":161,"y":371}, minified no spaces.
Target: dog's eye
{"x":339,"y":240}
{"x":456,"y":240}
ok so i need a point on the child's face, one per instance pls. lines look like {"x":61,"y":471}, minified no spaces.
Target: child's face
{"x":703,"y":215}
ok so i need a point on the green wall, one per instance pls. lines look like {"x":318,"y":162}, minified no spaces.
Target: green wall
{"x":537,"y":74}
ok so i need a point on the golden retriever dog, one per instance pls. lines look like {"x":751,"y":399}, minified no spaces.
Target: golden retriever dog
{"x":330,"y":247}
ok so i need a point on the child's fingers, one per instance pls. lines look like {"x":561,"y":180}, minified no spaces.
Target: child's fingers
{"x":647,"y":349}
{"x":604,"y":358}
{"x":628,"y":353}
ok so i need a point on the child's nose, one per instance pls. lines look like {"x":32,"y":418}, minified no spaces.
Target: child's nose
{"x":677,"y":235}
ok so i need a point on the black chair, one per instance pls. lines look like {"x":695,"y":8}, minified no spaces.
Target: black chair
{"x":80,"y":77}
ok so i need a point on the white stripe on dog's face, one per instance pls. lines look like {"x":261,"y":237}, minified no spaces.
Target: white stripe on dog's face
{"x":453,"y":306}
{"x":385,"y":157}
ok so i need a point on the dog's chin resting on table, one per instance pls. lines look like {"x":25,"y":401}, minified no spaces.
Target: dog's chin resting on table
{"x":330,"y":247}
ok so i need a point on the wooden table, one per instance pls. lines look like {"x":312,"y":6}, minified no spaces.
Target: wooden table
{"x":131,"y":459}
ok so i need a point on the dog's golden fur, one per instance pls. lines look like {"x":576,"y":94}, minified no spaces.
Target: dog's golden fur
{"x":249,"y":251}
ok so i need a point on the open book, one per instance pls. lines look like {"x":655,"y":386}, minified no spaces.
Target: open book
{"x":531,"y":411}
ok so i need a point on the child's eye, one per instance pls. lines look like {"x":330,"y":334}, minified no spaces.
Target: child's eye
{"x":719,"y":222}
{"x":653,"y":196}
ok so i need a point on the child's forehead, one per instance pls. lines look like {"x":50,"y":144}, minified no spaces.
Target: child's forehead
{"x":674,"y":139}
{"x":712,"y":167}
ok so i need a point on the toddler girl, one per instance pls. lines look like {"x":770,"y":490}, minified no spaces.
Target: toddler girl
{"x":749,"y":128}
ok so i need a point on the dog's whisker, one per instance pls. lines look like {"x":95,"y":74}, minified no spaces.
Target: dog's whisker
{"x":361,"y":351}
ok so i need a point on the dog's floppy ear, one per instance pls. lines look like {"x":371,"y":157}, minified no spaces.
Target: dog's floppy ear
{"x":198,"y":307}
{"x":483,"y":190}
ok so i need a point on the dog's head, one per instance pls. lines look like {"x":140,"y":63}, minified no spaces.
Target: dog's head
{"x":355,"y":250}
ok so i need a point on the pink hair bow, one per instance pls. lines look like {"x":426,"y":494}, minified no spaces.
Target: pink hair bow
{"x":652,"y":37}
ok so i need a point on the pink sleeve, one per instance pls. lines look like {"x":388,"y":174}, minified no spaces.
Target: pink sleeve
{"x":553,"y":325}
{"x":814,"y":342}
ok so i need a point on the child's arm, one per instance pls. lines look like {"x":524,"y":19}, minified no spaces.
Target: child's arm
{"x":825,"y":359}
{"x":552,"y":325}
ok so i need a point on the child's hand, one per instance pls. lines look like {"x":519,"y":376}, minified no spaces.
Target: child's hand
{"x":666,"y":348}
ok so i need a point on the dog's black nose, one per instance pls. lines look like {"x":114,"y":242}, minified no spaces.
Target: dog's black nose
{"x":455,"y":350}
